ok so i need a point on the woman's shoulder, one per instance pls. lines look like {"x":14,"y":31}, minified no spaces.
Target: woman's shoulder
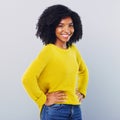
{"x":46,"y":48}
{"x":74,"y":47}
{"x":45,"y":51}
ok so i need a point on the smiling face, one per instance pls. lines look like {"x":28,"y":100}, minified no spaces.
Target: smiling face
{"x":64,"y":31}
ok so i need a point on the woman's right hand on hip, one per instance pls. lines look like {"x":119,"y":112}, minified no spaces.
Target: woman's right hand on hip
{"x":55,"y":97}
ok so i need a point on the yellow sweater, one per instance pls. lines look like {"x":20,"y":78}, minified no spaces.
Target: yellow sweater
{"x":56,"y":69}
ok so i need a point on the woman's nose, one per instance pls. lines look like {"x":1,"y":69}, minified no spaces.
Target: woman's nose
{"x":66,"y":29}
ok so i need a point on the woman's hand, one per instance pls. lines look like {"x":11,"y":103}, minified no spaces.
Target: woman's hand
{"x":80,"y":96}
{"x":55,"y":97}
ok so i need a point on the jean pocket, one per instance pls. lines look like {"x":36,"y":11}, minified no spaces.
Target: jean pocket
{"x":55,"y":106}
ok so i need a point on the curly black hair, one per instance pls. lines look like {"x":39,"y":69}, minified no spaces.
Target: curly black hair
{"x":49,"y":20}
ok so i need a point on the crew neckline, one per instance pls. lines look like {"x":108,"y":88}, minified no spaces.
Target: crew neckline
{"x":58,"y":48}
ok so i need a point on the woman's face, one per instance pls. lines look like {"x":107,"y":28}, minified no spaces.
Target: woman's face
{"x":64,"y":30}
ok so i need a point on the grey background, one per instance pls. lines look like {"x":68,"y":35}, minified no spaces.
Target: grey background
{"x":99,"y":48}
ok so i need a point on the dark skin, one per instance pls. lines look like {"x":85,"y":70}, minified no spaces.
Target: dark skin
{"x":59,"y":97}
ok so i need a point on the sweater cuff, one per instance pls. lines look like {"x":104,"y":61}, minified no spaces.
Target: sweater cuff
{"x":41,"y":101}
{"x":83,"y":92}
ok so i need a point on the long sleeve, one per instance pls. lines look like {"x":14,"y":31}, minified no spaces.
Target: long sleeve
{"x":83,"y":74}
{"x":31,"y":75}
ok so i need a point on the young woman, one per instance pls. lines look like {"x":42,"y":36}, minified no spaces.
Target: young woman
{"x":57,"y":79}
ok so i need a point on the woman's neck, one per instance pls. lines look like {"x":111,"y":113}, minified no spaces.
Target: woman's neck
{"x":61,"y":45}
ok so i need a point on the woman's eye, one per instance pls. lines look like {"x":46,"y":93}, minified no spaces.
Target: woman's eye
{"x":71,"y":25}
{"x":60,"y":25}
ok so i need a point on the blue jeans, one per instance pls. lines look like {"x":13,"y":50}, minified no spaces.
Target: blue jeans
{"x":61,"y":112}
